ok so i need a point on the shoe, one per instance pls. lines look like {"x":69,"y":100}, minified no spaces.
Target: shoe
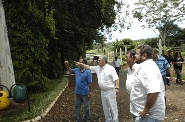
{"x":177,"y":81}
{"x":181,"y":83}
{"x":168,"y":84}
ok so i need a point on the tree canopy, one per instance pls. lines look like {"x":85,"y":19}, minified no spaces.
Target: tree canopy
{"x":158,"y":13}
{"x":122,"y":43}
{"x":43,"y":34}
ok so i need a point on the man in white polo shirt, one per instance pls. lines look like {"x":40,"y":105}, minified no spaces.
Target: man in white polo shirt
{"x":108,"y":81}
{"x":147,"y":94}
{"x":132,"y":68}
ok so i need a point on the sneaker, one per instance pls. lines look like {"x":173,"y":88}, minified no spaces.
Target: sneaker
{"x":177,"y":81}
{"x":181,"y":83}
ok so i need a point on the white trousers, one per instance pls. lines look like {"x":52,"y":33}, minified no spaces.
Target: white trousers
{"x":109,"y":105}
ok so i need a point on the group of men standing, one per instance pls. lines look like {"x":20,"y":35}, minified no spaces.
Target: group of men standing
{"x":145,"y":85}
{"x":108,"y":82}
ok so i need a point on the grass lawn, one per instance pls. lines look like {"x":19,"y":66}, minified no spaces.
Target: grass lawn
{"x":41,"y":102}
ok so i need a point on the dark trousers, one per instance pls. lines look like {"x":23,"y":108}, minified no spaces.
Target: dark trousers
{"x":117,"y":70}
{"x":167,"y":80}
{"x":178,"y":72}
{"x":164,"y":80}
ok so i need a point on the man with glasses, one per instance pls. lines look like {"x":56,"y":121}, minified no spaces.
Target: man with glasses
{"x":108,"y":81}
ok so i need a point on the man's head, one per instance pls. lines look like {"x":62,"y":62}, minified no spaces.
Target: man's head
{"x":169,"y":52}
{"x":102,"y":61}
{"x":143,"y":53}
{"x":155,"y":53}
{"x":116,"y":58}
{"x":130,"y":57}
{"x":83,"y":60}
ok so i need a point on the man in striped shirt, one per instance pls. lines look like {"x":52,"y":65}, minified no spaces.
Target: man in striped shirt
{"x":163,"y":65}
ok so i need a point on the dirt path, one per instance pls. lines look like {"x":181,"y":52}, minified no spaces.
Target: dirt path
{"x":63,"y":110}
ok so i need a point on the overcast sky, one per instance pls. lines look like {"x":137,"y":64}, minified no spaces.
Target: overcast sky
{"x":136,"y":32}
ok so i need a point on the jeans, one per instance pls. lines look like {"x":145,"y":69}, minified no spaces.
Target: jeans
{"x":178,"y":72}
{"x":78,"y":102}
{"x":164,"y":80}
{"x":146,"y":119}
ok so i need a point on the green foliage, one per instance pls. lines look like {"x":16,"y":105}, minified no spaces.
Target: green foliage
{"x":123,"y":59}
{"x":27,"y":31}
{"x":153,"y":42}
{"x":35,"y":82}
{"x":174,"y":39}
{"x":122,"y":43}
{"x":43,"y":34}
{"x":88,"y":58}
{"x":41,"y":102}
{"x":158,"y":14}
{"x":50,"y":21}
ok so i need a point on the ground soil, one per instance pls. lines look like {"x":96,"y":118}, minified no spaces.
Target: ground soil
{"x":15,"y":107}
{"x":63,"y":110}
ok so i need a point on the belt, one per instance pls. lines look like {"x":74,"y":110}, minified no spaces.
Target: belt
{"x":107,"y":89}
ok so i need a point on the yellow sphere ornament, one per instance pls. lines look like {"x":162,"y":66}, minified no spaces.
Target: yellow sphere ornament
{"x":4,"y":100}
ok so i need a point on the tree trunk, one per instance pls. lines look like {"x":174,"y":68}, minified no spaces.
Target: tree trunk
{"x":6,"y":67}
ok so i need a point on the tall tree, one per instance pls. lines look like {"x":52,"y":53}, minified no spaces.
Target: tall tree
{"x":43,"y":34}
{"x":78,"y":23}
{"x":177,"y":38}
{"x":6,"y":67}
{"x":153,"y":42}
{"x":158,"y":13}
{"x":122,"y":43}
{"x":29,"y":32}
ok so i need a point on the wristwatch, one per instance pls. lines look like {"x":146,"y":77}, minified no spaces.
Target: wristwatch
{"x":117,"y":88}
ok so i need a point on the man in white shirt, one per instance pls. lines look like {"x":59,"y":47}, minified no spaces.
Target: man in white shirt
{"x":117,"y":64}
{"x":147,"y":94}
{"x":132,"y":68}
{"x":108,"y":81}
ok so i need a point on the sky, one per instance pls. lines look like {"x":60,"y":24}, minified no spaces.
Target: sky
{"x":136,"y":32}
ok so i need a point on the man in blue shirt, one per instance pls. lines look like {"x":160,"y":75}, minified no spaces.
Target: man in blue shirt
{"x":83,"y":78}
{"x":163,"y":65}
